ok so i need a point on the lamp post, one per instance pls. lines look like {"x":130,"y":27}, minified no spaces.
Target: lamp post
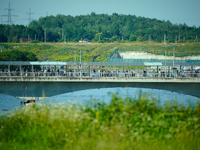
{"x":74,"y":61}
{"x":165,"y":58}
{"x":75,"y":57}
{"x":80,"y":62}
{"x":174,"y":55}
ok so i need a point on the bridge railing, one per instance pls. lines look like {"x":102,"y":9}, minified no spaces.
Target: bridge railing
{"x":104,"y":74}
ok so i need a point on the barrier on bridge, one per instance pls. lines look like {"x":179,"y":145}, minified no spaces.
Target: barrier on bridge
{"x":118,"y":73}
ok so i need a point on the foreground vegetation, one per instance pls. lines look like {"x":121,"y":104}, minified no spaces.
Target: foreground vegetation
{"x":94,"y":52}
{"x":130,"y":123}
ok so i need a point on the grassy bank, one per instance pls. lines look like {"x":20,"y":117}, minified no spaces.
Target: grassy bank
{"x":128,"y":123}
{"x":98,"y":52}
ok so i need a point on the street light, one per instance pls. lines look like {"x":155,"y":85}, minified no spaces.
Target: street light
{"x":74,"y":61}
{"x":165,"y":57}
{"x":173,"y":54}
{"x":80,"y":58}
{"x":75,"y":57}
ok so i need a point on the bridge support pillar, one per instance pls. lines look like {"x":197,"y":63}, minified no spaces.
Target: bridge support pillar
{"x":89,"y":70}
{"x":192,"y":71}
{"x":55,"y":68}
{"x":157,"y":69}
{"x":168,"y":69}
{"x":20,"y":69}
{"x":66,"y":69}
{"x":101,"y":71}
{"x":32,"y":69}
{"x":9,"y":69}
{"x":79,"y":70}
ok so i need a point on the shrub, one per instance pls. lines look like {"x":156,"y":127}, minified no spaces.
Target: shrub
{"x":123,"y":124}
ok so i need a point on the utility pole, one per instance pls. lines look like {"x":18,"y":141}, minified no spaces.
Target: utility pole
{"x":176,"y":39}
{"x":74,"y":61}
{"x":99,"y":38}
{"x":149,"y":38}
{"x":196,"y":39}
{"x":62,"y":34}
{"x":179,"y":39}
{"x":164,"y":38}
{"x":28,"y":38}
{"x":29,"y":16}
{"x":45,"y":35}
{"x":80,"y":62}
{"x":9,"y":21}
{"x":173,"y":55}
{"x":35,"y":37}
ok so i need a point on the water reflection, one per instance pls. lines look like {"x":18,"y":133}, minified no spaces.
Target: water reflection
{"x":88,"y":96}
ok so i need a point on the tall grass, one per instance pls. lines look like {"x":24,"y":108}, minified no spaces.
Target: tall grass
{"x":129,"y":123}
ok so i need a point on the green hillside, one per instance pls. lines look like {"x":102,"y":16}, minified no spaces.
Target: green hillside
{"x":97,"y":52}
{"x":99,"y":28}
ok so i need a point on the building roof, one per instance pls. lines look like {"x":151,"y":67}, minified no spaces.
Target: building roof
{"x":141,"y":63}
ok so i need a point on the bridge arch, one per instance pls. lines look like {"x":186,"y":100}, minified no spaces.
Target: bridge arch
{"x":39,"y":86}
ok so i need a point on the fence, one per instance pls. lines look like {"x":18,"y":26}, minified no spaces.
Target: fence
{"x":109,"y":73}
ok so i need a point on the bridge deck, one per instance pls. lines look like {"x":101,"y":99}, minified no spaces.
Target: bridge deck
{"x":98,"y":79}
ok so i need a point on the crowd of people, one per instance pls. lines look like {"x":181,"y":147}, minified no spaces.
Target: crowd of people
{"x":100,"y":73}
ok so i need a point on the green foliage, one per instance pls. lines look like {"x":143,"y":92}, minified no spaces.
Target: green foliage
{"x":132,"y":38}
{"x":139,"y":32}
{"x":87,"y":26}
{"x":140,"y":39}
{"x":123,"y":124}
{"x":2,"y":57}
{"x":16,"y":55}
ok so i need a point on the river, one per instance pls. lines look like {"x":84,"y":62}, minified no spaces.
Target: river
{"x":87,"y":96}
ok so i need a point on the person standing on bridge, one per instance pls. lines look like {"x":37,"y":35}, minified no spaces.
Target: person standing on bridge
{"x":159,"y":73}
{"x":58,"y":72}
{"x":45,"y":72}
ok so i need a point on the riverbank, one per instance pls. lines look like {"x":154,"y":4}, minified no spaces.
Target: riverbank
{"x":125,"y":123}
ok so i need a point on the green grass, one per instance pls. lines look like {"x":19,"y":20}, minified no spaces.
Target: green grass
{"x":99,"y":52}
{"x":130,"y":123}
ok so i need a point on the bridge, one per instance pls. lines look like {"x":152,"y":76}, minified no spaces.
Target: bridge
{"x":52,"y":85}
{"x":36,"y":84}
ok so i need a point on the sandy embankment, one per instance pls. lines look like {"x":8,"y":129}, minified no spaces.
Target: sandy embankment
{"x":145,"y":55}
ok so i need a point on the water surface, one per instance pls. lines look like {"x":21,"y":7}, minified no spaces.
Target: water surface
{"x":87,"y":96}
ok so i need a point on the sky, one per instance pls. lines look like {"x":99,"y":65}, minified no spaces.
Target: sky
{"x":176,"y":11}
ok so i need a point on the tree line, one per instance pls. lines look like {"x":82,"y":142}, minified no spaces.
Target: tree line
{"x":99,"y":28}
{"x":16,"y":55}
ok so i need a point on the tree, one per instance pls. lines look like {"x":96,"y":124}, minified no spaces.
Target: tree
{"x":98,"y":36}
{"x":86,"y":26}
{"x":132,"y":38}
{"x":138,"y":33}
{"x":15,"y":55}
{"x":114,"y":29}
{"x":140,"y":39}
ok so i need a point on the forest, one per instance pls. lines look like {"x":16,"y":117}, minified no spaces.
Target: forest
{"x":100,"y":28}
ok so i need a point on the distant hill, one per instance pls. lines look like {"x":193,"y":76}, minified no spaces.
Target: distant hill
{"x":100,"y":28}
